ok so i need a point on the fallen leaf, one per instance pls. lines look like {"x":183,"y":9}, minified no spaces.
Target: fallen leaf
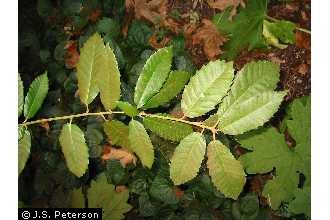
{"x":208,"y":36}
{"x":223,"y":4}
{"x":303,"y":40}
{"x":178,"y":192}
{"x":72,"y":54}
{"x":45,"y":125}
{"x":157,"y":45}
{"x":95,"y":15}
{"x":302,"y":69}
{"x":153,"y":11}
{"x":121,"y":188}
{"x":123,"y":155}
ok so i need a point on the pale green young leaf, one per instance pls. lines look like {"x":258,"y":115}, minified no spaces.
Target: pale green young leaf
{"x":187,"y":158}
{"x":153,"y":75}
{"x":20,"y":95}
{"x":117,"y":133}
{"x":140,"y":143}
{"x":108,"y":79}
{"x":170,"y":130}
{"x":24,"y":146}
{"x":77,"y":198}
{"x":129,"y":109}
{"x":252,"y":85}
{"x":103,"y":195}
{"x":302,"y":202}
{"x":74,"y":148}
{"x":282,"y":31}
{"x":92,"y":60}
{"x":226,"y":172}
{"x":171,"y":88}
{"x":36,"y":95}
{"x":250,"y":114}
{"x":270,"y":38}
{"x":206,"y":88}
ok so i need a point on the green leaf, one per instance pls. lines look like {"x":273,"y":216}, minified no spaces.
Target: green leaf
{"x":171,"y":88}
{"x":108,"y":79}
{"x":117,"y":133}
{"x":298,"y":121}
{"x":36,"y":95}
{"x":91,"y":63}
{"x":170,"y":130}
{"x":74,"y":149}
{"x":206,"y":88}
{"x":138,"y":36}
{"x":226,"y":172}
{"x":108,"y":25}
{"x":77,"y":198}
{"x":187,"y":158}
{"x":302,"y":202}
{"x":251,"y":114}
{"x":24,"y":146}
{"x":250,"y":94}
{"x":270,"y":38}
{"x":139,"y":143}
{"x":271,"y":151}
{"x":103,"y":195}
{"x":162,"y":189}
{"x":248,"y":23}
{"x":20,"y":95}
{"x":153,"y":75}
{"x":281,"y":30}
{"x":129,"y":109}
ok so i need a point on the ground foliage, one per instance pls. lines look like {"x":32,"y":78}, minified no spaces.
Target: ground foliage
{"x":159,"y":60}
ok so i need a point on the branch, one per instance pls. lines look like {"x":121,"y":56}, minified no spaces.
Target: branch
{"x":68,"y":117}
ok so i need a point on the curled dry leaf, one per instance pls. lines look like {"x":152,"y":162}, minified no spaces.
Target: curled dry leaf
{"x":123,"y":155}
{"x":208,"y":36}
{"x":152,"y":11}
{"x":158,"y":44}
{"x":72,"y":55}
{"x":121,"y":188}
{"x":223,"y":4}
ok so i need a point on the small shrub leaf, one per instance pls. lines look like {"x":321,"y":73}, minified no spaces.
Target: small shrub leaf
{"x":187,"y":158}
{"x":169,"y":130}
{"x":226,"y":172}
{"x":20,"y":95}
{"x":36,"y":95}
{"x":153,"y":75}
{"x":140,"y":143}
{"x":92,"y":62}
{"x":74,"y":149}
{"x":117,"y":133}
{"x":24,"y":146}
{"x":207,"y":88}
{"x":108,"y":79}
{"x":172,"y":87}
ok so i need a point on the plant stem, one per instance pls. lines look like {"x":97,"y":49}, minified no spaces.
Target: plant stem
{"x":69,"y":117}
{"x":197,"y":124}
{"x":298,"y":28}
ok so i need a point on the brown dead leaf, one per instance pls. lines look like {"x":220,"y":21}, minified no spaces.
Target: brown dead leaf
{"x":172,"y":25}
{"x":121,"y":188}
{"x":303,"y":40}
{"x":46,"y":126}
{"x":223,"y":4}
{"x":153,"y":11}
{"x":157,"y":45}
{"x":208,"y":36}
{"x":178,"y":192}
{"x":72,"y":54}
{"x":95,"y":15}
{"x":123,"y":155}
